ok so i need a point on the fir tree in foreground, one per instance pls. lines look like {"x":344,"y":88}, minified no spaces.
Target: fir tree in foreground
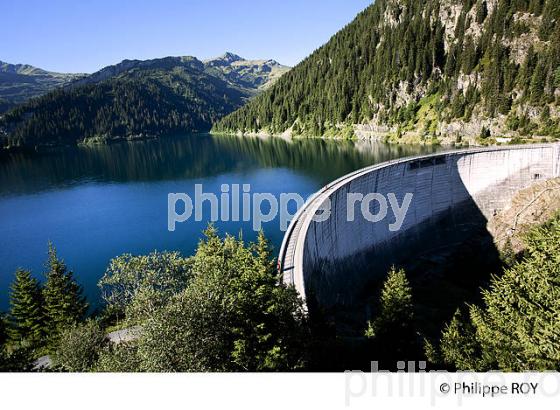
{"x":26,"y":309}
{"x":3,"y":330}
{"x":392,"y":331}
{"x":64,"y":303}
{"x":518,"y":326}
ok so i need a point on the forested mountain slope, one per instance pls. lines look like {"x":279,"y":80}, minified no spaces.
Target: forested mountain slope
{"x":430,"y":68}
{"x":135,"y":99}
{"x":133,"y":104}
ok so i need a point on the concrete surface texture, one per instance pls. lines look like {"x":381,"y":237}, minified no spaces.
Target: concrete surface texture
{"x":453,"y":194}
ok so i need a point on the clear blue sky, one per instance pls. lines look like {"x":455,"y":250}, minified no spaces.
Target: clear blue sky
{"x":86,"y":35}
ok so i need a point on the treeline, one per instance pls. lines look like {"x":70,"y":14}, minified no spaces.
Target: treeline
{"x":223,"y":310}
{"x":395,"y":64}
{"x":5,"y":105}
{"x":136,"y":103}
{"x":220,"y":310}
{"x":39,"y":314}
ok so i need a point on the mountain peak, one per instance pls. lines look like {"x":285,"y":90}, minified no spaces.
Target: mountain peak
{"x":225,"y":59}
{"x":231,"y":57}
{"x":23,"y":69}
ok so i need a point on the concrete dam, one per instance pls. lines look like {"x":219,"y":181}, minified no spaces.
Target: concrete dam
{"x":331,"y":260}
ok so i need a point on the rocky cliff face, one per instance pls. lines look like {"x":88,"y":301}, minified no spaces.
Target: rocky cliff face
{"x":528,"y":208}
{"x":470,"y":27}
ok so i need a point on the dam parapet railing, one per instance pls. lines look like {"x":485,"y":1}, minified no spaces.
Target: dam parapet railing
{"x":453,"y":183}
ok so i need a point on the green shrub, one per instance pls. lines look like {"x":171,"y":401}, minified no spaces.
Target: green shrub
{"x":119,"y":358}
{"x":233,"y":316}
{"x":135,"y":286}
{"x":79,"y":347}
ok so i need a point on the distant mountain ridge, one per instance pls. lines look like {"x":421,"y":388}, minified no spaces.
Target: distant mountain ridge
{"x":20,"y":82}
{"x":164,"y":63}
{"x":250,"y":76}
{"x":137,"y":99}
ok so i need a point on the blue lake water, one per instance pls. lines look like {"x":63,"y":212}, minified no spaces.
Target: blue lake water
{"x":95,"y":203}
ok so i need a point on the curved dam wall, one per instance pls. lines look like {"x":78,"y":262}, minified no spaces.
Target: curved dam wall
{"x":453,"y":194}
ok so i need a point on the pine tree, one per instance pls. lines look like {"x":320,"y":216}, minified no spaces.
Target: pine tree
{"x":26,"y":308}
{"x":263,"y":250}
{"x":458,"y":345}
{"x":392,"y":332}
{"x":557,"y":78}
{"x":3,"y":330}
{"x":396,"y":298}
{"x":517,"y":328}
{"x":538,"y":83}
{"x":64,"y":302}
{"x":470,"y":56}
{"x":481,"y":11}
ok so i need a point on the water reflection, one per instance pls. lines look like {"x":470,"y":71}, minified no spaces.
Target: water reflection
{"x":189,"y":157}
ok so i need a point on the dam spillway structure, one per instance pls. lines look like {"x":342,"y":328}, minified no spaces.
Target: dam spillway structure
{"x":454,"y":194}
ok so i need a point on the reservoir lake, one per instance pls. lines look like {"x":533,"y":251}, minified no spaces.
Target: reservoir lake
{"x":97,"y":202}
